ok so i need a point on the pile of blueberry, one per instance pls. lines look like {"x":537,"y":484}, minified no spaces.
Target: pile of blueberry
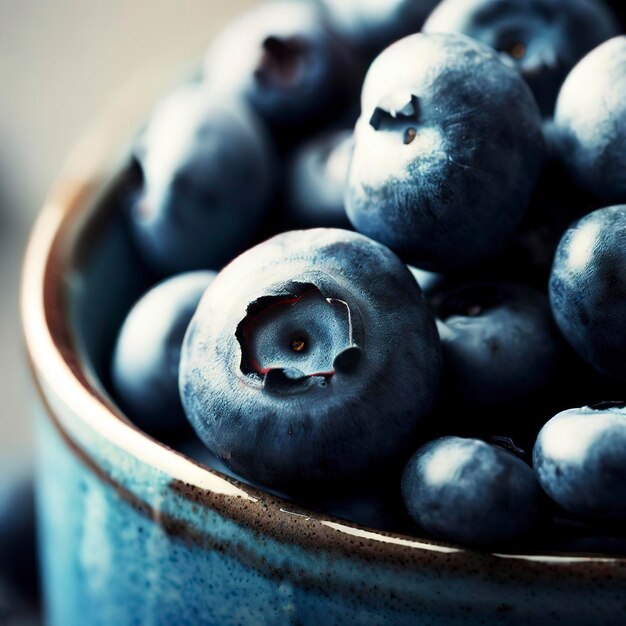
{"x":390,"y":309}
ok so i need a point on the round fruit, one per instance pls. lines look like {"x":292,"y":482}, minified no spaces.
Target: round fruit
{"x":545,"y":38}
{"x":311,"y":358}
{"x":580,"y":460}
{"x":144,"y":370}
{"x":282,"y":59}
{"x":448,"y":149}
{"x":468,"y":491}
{"x":588,"y":289}
{"x":207,"y":170}
{"x":500,"y":344}
{"x":590,"y":121}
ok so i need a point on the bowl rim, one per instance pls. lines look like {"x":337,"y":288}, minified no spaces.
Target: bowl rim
{"x":56,"y":364}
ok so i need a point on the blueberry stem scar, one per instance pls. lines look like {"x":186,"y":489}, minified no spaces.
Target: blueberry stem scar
{"x":275,"y":333}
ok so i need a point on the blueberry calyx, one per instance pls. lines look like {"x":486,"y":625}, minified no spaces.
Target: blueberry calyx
{"x":395,"y":112}
{"x":297,"y":335}
{"x":281,"y":61}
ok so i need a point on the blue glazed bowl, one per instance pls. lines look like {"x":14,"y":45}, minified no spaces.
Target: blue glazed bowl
{"x":134,"y":533}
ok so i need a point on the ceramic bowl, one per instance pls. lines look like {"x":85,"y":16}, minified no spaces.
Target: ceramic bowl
{"x":133,"y":532}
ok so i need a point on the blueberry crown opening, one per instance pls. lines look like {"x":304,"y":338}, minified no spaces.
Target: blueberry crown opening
{"x":400,"y":113}
{"x":281,"y":62}
{"x":289,"y":339}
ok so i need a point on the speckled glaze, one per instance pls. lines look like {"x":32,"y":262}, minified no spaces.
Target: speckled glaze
{"x":134,"y":533}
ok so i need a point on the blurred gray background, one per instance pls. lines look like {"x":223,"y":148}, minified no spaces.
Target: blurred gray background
{"x":62,"y":64}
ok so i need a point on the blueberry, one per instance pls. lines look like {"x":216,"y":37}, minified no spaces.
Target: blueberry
{"x":468,"y":491}
{"x":18,"y":543}
{"x":580,"y":460}
{"x":448,"y":149}
{"x":590,"y":121}
{"x":317,"y":182}
{"x":370,"y":26}
{"x":144,"y":368}
{"x":588,"y":289}
{"x":500,"y":344}
{"x":285,"y":62}
{"x":207,"y":171}
{"x":312,"y":358}
{"x":545,"y":38}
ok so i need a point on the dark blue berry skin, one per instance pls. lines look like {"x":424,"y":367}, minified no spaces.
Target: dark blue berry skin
{"x":144,"y":369}
{"x":283,"y":60}
{"x":470,"y":492}
{"x":590,"y":118}
{"x":372,"y":26}
{"x":317,"y":179}
{"x":18,"y":543}
{"x":580,"y":461}
{"x":588,"y":289}
{"x":312,"y":358}
{"x":500,"y":344}
{"x":555,"y":204}
{"x":448,"y":149}
{"x":545,"y":38}
{"x":207,"y":170}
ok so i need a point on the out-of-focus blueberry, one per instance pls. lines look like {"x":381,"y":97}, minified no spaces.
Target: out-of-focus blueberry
{"x":317,"y":181}
{"x":590,"y":121}
{"x":312,"y":358}
{"x":285,"y":62}
{"x":468,"y":491}
{"x":144,"y":369}
{"x":208,"y":172}
{"x":447,"y":151}
{"x":545,"y":38}
{"x":580,"y":460}
{"x":371,"y":25}
{"x":588,"y":289}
